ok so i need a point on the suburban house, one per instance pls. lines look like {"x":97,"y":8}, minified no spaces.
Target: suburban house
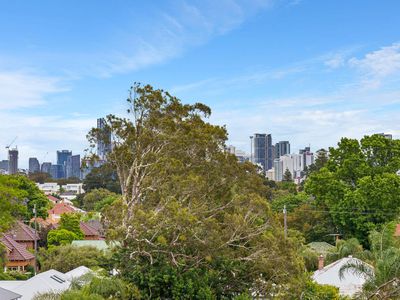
{"x":23,"y":234}
{"x":8,"y":295}
{"x":90,"y":232}
{"x":53,"y":199}
{"x":349,"y":284}
{"x":49,"y":281}
{"x":18,"y":257}
{"x":59,"y":209}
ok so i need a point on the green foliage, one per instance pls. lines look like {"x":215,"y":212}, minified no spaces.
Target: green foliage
{"x":65,"y":258}
{"x":315,"y":291}
{"x":345,"y":248}
{"x":96,"y":199}
{"x":287,"y":176}
{"x":358,"y":185}
{"x":103,"y":177}
{"x":59,"y":237}
{"x":71,"y":222}
{"x":17,"y":197}
{"x":191,"y":219}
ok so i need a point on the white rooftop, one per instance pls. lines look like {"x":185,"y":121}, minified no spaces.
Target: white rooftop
{"x":77,"y":272}
{"x":349,"y":284}
{"x":49,"y":281}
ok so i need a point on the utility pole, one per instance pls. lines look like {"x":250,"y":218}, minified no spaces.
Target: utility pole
{"x":285,"y":220}
{"x":34,"y":211}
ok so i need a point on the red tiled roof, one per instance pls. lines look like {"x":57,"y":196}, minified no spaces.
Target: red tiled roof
{"x":61,"y":208}
{"x":22,"y":232}
{"x":397,"y":231}
{"x":18,"y":251}
{"x":53,"y":199}
{"x":88,"y":230}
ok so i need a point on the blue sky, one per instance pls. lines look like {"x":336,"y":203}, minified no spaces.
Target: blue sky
{"x":307,"y":71}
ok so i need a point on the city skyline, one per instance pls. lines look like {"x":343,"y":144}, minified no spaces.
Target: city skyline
{"x":291,"y":68}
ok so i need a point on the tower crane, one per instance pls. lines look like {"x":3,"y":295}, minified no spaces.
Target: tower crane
{"x":8,"y":147}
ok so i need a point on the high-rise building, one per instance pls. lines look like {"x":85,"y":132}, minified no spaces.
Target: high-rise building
{"x":104,"y":141}
{"x":73,"y":166}
{"x":62,"y":157}
{"x":282,"y":148}
{"x":291,"y":162}
{"x":46,"y":167}
{"x":57,"y":171}
{"x":13,"y":161}
{"x":4,"y":165}
{"x":262,"y":150}
{"x":34,"y":165}
{"x":386,"y":135}
{"x":307,"y":157}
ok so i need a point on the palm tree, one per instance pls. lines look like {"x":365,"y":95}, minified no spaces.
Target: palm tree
{"x":383,"y":277}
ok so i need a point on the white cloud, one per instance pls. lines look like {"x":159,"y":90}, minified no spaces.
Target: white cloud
{"x":21,"y":89}
{"x":378,"y":65}
{"x":186,"y":24}
{"x":38,"y":135}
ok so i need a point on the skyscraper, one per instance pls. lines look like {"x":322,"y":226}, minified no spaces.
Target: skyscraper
{"x":282,"y":148}
{"x":104,"y":141}
{"x":73,"y":166}
{"x":46,"y":166}
{"x":62,"y":157}
{"x":34,"y":165}
{"x":13,"y":161}
{"x":57,"y":171}
{"x":262,"y":150}
{"x":4,"y":165}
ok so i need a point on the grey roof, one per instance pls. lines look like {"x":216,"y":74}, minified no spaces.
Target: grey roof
{"x":8,"y":295}
{"x":49,"y":281}
{"x":77,"y":272}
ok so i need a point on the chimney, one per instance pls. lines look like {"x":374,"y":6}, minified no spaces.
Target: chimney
{"x":320,"y":262}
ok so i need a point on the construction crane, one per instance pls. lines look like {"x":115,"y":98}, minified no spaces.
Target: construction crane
{"x":8,"y":147}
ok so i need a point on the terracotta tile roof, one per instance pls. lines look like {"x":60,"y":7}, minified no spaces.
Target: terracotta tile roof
{"x":53,"y":199}
{"x":397,"y":231}
{"x":18,"y":251}
{"x":88,"y":230}
{"x":22,"y":232}
{"x":61,"y":208}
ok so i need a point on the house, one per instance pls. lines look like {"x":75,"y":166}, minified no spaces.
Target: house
{"x":53,"y":199}
{"x":49,"y":187}
{"x":23,"y":234}
{"x":18,"y":257}
{"x":349,"y":284}
{"x":8,"y":295}
{"x":59,"y":209}
{"x":49,"y":281}
{"x":90,"y":232}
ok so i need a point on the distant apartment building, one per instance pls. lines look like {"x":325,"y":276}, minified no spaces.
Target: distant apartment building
{"x":308,"y":157}
{"x":49,"y":187}
{"x":241,"y":155}
{"x":291,"y":162}
{"x":4,"y":165}
{"x":62,"y":157}
{"x":386,"y":135}
{"x":282,"y":148}
{"x":34,"y":165}
{"x":46,"y":167}
{"x":57,"y":171}
{"x":262,"y":150}
{"x":13,"y":161}
{"x":73,"y":166}
{"x":104,"y":141}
